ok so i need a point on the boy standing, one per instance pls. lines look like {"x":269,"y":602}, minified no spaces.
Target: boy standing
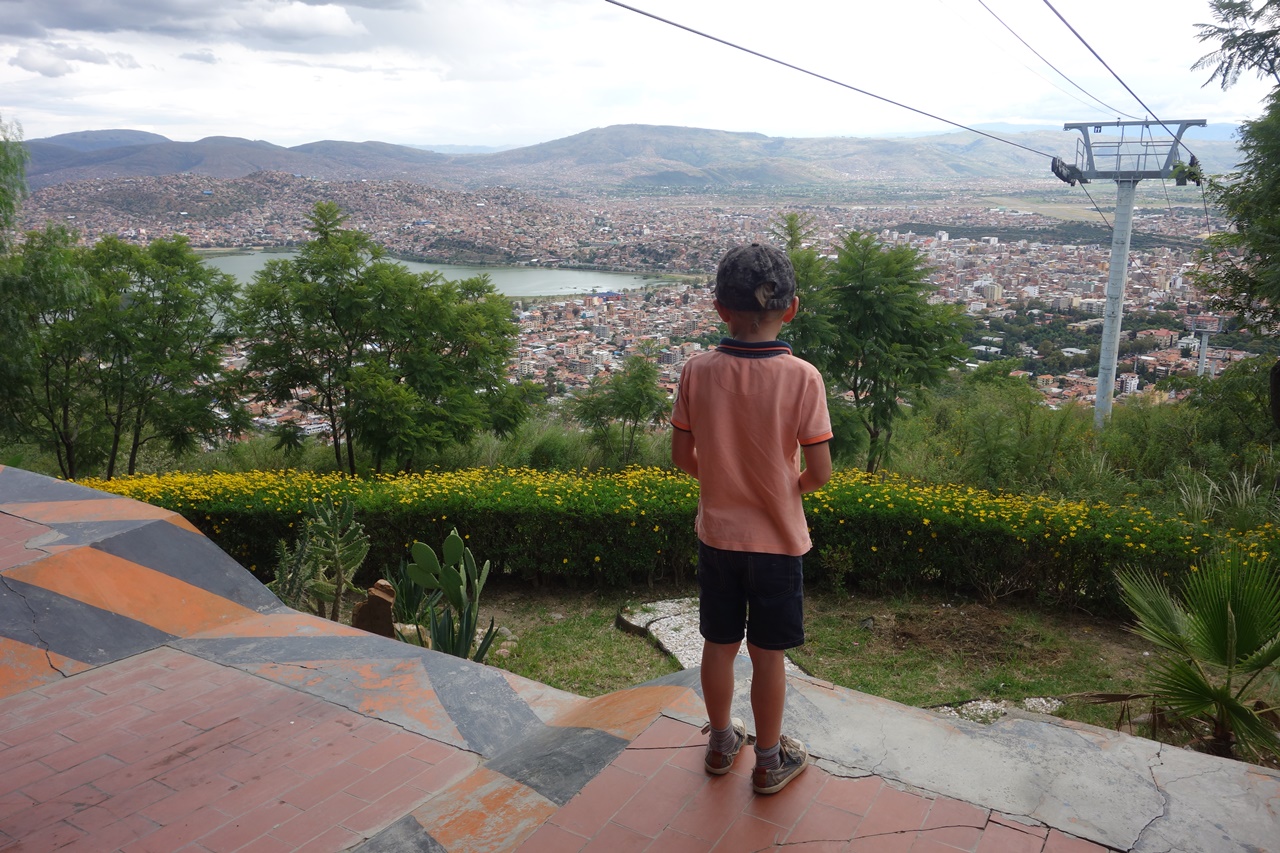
{"x":743,"y":415}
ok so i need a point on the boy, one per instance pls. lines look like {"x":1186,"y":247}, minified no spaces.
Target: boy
{"x":743,"y":415}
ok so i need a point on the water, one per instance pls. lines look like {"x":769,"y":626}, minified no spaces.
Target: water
{"x":510,"y":281}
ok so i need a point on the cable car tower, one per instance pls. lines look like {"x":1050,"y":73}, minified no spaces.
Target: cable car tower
{"x":1125,"y":159}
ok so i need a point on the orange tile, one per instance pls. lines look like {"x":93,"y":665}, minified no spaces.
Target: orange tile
{"x":402,"y":693}
{"x":105,"y":509}
{"x":486,"y":811}
{"x":122,"y":586}
{"x":689,"y":704}
{"x":547,"y":702}
{"x":284,"y":625}
{"x":625,"y":713}
{"x":23,"y":667}
{"x":94,"y":509}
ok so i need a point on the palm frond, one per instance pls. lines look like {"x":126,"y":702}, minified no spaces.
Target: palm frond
{"x":1159,"y":617}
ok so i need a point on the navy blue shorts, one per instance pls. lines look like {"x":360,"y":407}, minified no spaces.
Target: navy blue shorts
{"x":761,"y":595}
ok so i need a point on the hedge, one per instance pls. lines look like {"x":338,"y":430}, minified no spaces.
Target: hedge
{"x":881,"y":533}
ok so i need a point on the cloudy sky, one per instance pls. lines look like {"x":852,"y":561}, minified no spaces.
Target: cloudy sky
{"x":517,"y":72}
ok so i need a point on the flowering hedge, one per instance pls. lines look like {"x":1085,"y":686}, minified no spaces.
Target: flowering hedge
{"x":882,"y":533}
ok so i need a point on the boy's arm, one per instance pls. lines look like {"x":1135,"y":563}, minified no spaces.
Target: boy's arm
{"x":683,"y":452}
{"x":817,"y":467}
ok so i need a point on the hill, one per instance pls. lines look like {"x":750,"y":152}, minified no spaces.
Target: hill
{"x":633,"y":156}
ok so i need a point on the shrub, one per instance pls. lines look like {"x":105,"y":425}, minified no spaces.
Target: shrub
{"x":636,"y":526}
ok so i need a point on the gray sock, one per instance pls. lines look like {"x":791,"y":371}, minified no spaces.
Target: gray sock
{"x":723,"y":740}
{"x":769,"y":758}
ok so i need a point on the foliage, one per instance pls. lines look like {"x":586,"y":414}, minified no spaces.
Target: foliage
{"x":456,"y":584}
{"x":636,"y":526}
{"x":338,"y":546}
{"x":1242,"y":264}
{"x":881,"y":340}
{"x":410,"y":605}
{"x":297,"y":573}
{"x":992,"y":430}
{"x":402,"y":363}
{"x":1248,"y":36}
{"x":120,"y":347}
{"x":49,"y":401}
{"x":13,"y":178}
{"x":1219,"y":642}
{"x":324,"y":559}
{"x":1235,"y":404}
{"x":630,"y":398}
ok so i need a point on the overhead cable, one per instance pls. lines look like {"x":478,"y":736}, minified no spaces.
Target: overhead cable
{"x":824,"y":78}
{"x":1150,"y":111}
{"x":1112,"y":109}
{"x":756,"y":53}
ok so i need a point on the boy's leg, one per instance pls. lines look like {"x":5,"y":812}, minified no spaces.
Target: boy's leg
{"x":775,"y":623}
{"x":717,"y":680}
{"x":768,"y":692}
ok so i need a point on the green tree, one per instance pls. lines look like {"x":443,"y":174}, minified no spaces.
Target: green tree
{"x":813,"y":331}
{"x":51,"y":398}
{"x":1248,"y":37}
{"x":1242,"y":264}
{"x":400,"y":362}
{"x":630,"y":399}
{"x":120,"y":346}
{"x":158,"y":327}
{"x":13,"y":179}
{"x":887,"y":342}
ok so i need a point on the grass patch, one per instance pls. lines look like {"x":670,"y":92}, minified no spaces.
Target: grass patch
{"x":568,"y":640}
{"x":927,"y":652}
{"x":918,"y":651}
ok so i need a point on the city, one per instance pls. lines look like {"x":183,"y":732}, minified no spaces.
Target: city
{"x":564,"y":342}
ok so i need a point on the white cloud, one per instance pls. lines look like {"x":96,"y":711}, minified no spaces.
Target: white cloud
{"x":205,"y":55}
{"x":298,"y":21}
{"x":525,"y":71}
{"x":41,"y":61}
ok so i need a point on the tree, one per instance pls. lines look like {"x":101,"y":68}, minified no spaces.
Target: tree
{"x":630,"y":399}
{"x":159,"y":324}
{"x":1248,"y":37}
{"x":883,"y":341}
{"x":1242,"y":264}
{"x":400,"y":362}
{"x":120,"y":346}
{"x":13,"y":183}
{"x":50,"y":398}
{"x":813,"y":331}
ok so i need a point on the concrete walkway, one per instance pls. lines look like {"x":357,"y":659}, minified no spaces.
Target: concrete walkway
{"x":155,"y":697}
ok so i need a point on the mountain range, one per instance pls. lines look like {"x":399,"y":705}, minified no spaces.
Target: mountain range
{"x":633,"y":156}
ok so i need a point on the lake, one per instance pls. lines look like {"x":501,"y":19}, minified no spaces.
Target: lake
{"x":509,"y":281}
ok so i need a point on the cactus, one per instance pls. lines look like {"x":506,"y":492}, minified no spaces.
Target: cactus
{"x":456,"y":585}
{"x":297,"y":574}
{"x":330,"y":548}
{"x":339,"y":545}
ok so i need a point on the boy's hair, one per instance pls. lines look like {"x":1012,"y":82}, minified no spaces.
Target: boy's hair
{"x":755,"y":278}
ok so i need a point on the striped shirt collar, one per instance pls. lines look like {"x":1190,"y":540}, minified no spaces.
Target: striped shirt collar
{"x":753,"y":349}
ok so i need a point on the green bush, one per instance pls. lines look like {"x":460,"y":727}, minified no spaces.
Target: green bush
{"x":882,"y":533}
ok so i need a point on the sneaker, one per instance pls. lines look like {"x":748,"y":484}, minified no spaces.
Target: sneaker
{"x":719,"y":763}
{"x":794,"y":759}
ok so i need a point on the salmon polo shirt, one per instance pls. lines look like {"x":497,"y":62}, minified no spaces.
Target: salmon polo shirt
{"x":751,"y":406}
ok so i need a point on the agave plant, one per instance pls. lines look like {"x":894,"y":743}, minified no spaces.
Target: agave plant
{"x":1218,"y":643}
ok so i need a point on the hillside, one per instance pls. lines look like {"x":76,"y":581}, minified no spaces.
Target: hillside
{"x":637,"y":157}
